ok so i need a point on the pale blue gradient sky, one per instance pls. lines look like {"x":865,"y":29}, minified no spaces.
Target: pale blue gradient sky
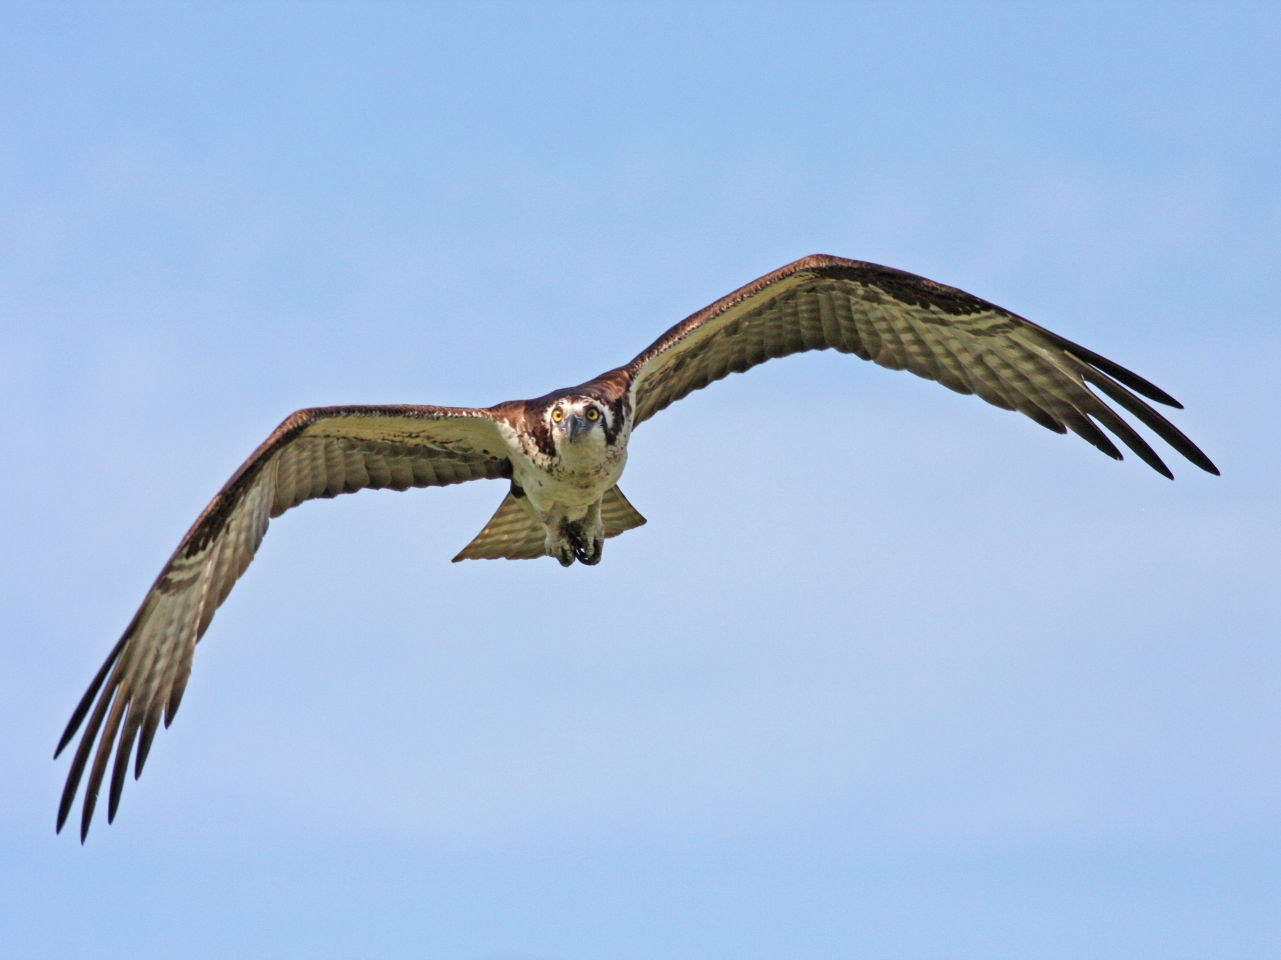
{"x":924,"y":681}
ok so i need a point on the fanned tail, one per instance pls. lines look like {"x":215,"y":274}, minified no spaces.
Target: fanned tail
{"x":514,"y":532}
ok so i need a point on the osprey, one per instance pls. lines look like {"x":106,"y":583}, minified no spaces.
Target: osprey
{"x":563,"y":454}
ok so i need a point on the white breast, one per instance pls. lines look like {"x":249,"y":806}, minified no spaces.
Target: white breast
{"x":566,"y":488}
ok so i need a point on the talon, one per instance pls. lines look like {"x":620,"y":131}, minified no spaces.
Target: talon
{"x":576,"y":544}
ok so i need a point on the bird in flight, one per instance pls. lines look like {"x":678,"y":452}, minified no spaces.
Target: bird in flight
{"x":563,"y":454}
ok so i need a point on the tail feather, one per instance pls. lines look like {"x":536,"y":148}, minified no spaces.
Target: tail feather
{"x":514,"y":532}
{"x":617,"y":514}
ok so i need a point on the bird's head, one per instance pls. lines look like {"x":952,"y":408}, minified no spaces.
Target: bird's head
{"x":577,"y":421}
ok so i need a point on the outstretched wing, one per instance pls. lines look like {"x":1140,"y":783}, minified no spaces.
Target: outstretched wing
{"x":906,"y":322}
{"x":315,"y":453}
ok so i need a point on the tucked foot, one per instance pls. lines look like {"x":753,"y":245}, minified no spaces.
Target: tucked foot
{"x":587,"y":539}
{"x":561,"y":544}
{"x":574,"y":541}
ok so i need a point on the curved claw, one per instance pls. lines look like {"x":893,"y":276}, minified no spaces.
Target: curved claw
{"x":592,"y":557}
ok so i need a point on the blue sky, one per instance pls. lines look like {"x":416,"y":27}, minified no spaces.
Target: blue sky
{"x":923,"y":681}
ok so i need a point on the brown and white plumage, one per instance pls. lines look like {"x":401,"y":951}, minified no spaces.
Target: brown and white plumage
{"x":564,"y":452}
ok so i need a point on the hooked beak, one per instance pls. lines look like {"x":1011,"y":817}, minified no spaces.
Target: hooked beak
{"x":576,"y":425}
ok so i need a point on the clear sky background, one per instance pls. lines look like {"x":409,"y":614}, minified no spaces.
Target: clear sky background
{"x":912,"y":678}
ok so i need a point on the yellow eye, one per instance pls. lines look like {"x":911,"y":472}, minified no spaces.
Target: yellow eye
{"x":593,"y":413}
{"x":558,"y":414}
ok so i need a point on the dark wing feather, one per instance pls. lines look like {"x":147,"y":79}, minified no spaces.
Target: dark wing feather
{"x":314,"y":453}
{"x":906,"y":322}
